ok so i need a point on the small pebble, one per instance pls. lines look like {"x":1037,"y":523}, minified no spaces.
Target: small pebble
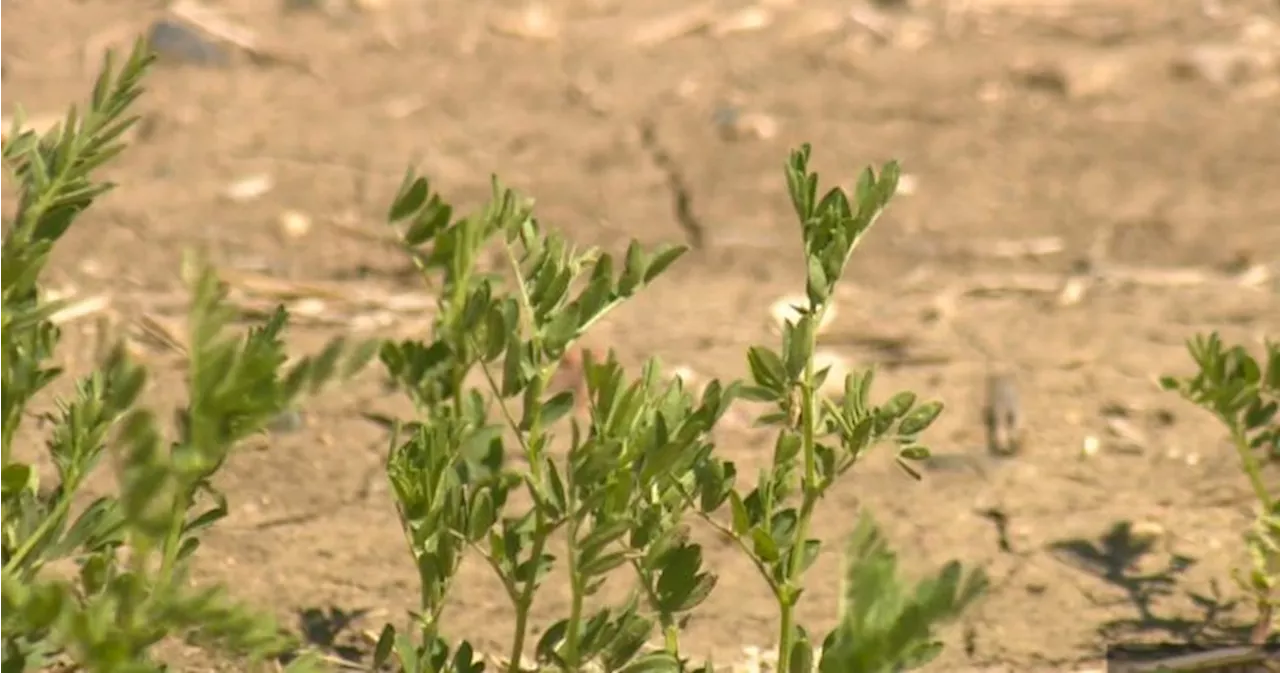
{"x":309,"y":306}
{"x":295,"y":224}
{"x":249,"y":188}
{"x":176,"y":42}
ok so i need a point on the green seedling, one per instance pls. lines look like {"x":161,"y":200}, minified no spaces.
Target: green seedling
{"x":128,"y":554}
{"x":1243,"y":393}
{"x":621,"y":492}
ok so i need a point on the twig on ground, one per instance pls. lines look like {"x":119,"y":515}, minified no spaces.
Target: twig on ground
{"x":1042,"y":246}
{"x":1020,"y":283}
{"x":674,"y":26}
{"x":745,"y":20}
{"x":358,"y":307}
{"x":533,"y":23}
{"x":349,"y":225}
{"x":81,"y":308}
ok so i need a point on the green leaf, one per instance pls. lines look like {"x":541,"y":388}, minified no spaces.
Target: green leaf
{"x":662,"y":259}
{"x":653,"y":662}
{"x":816,"y":285}
{"x":633,"y":271}
{"x":17,"y":478}
{"x":809,"y":554}
{"x":741,"y":520}
{"x":632,"y":632}
{"x":915,"y":452}
{"x":604,"y":564}
{"x":382,"y":651}
{"x":549,"y":643}
{"x":556,"y":408}
{"x":1260,"y":414}
{"x":783,"y":527}
{"x":764,"y":546}
{"x":464,"y":659}
{"x":482,"y":516}
{"x":429,"y":223}
{"x":898,"y":405}
{"x":1271,"y":379}
{"x":801,"y":185}
{"x":409,"y":199}
{"x":766,"y":367}
{"x":801,"y":656}
{"x":920,"y":419}
{"x":559,"y":497}
{"x":407,"y":654}
{"x":799,"y":347}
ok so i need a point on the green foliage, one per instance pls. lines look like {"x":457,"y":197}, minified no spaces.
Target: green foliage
{"x":884,"y":628}
{"x":1244,"y":395}
{"x":642,"y":461}
{"x":819,"y":440}
{"x":614,"y":478}
{"x":129,"y":552}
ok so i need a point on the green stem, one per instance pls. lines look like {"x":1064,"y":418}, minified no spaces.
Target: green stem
{"x":788,"y":592}
{"x":11,"y":422}
{"x":577,"y":583}
{"x":173,"y":537}
{"x":1251,"y":468}
{"x":525,"y":600}
{"x":671,"y":636}
{"x":670,"y":631}
{"x":577,"y":592}
{"x":1254,"y":471}
{"x":58,"y":514}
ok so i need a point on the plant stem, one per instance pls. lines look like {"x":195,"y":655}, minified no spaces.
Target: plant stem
{"x":533,"y":454}
{"x":55,"y":518}
{"x":670,"y":631}
{"x":576,"y":589}
{"x":522,"y":623}
{"x":1251,"y":467}
{"x":788,"y":593}
{"x":1254,"y":471}
{"x":525,"y":602}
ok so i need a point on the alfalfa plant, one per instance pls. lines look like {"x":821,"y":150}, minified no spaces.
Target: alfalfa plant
{"x":883,"y":627}
{"x":94,"y":586}
{"x":1243,"y":393}
{"x":620,"y":494}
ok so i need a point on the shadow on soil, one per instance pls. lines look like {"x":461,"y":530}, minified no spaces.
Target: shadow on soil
{"x":330,"y":630}
{"x":1125,"y":560}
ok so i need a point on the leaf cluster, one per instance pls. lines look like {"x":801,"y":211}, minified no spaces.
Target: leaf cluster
{"x":129,"y":552}
{"x":613,"y":468}
{"x":1243,"y":393}
{"x":640,"y":459}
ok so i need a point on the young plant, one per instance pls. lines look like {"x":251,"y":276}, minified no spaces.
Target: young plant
{"x":130,"y":551}
{"x":819,"y":440}
{"x":1244,"y":395}
{"x":620,"y":491}
{"x":607,"y":494}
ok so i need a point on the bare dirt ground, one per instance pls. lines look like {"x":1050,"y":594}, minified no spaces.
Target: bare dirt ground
{"x":1140,"y":140}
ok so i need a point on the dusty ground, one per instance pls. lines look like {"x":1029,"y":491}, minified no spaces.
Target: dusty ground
{"x":1016,"y":120}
